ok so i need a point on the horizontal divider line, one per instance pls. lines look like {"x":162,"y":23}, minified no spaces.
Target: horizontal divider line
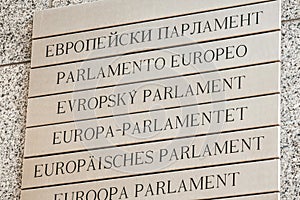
{"x":150,"y":173}
{"x":243,"y":195}
{"x":290,"y":20}
{"x":15,"y":63}
{"x":149,"y":20}
{"x":155,"y":79}
{"x":155,"y":49}
{"x":148,"y":111}
{"x":150,"y":142}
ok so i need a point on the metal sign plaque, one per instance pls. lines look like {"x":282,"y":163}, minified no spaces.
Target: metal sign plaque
{"x":142,"y":99}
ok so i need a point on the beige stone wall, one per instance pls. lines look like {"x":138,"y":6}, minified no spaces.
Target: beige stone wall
{"x":15,"y":48}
